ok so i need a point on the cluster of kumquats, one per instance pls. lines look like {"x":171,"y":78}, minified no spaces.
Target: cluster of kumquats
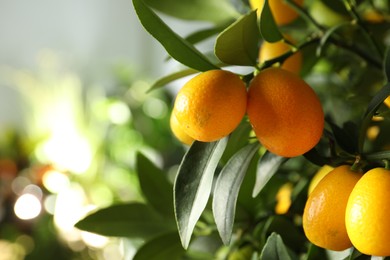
{"x":344,"y":206}
{"x":348,"y":208}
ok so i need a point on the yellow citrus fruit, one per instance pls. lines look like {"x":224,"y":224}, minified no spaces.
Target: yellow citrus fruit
{"x":211,"y":105}
{"x":285,"y":112}
{"x":324,"y":213}
{"x":282,"y":12}
{"x":368,"y":213}
{"x":283,"y":198}
{"x":178,"y":131}
{"x":270,"y":51}
{"x":320,"y":174}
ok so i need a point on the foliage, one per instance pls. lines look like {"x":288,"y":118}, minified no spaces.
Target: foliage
{"x":348,"y":65}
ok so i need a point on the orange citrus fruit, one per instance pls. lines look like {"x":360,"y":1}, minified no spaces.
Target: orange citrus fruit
{"x":270,"y":51}
{"x":324,"y":213}
{"x":282,"y":12}
{"x":285,"y":112}
{"x":368,"y":213}
{"x":178,"y":131}
{"x":211,"y":105}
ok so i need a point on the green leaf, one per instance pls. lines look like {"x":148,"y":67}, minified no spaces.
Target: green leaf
{"x":215,"y":11}
{"x":238,"y":43}
{"x":386,"y":64}
{"x":268,"y":164}
{"x":193,"y":184}
{"x":227,"y":188}
{"x":175,"y":45}
{"x":274,"y":249}
{"x":292,"y":236}
{"x":155,"y":186}
{"x":268,"y":27}
{"x":166,"y":246}
{"x":238,"y":139}
{"x":133,"y":220}
{"x":171,"y":77}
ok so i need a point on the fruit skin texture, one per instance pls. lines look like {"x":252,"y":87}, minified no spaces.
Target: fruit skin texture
{"x":324,"y":213}
{"x":368,"y":213}
{"x":282,"y":12}
{"x":270,"y":51}
{"x":285,"y":112}
{"x":178,"y":131}
{"x":211,"y":105}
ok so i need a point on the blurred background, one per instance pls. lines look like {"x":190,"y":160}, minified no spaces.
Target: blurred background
{"x":73,"y":113}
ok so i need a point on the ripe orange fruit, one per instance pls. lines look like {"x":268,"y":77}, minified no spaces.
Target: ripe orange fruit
{"x":285,"y":112}
{"x":282,"y":12}
{"x":178,"y":131}
{"x":324,"y":213}
{"x":368,"y":213}
{"x":211,"y":105}
{"x":270,"y":51}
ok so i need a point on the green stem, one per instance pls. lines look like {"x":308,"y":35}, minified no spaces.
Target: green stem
{"x":335,"y":38}
{"x":305,"y":15}
{"x":352,"y":10}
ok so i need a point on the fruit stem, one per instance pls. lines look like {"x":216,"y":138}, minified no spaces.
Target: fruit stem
{"x":358,"y":164}
{"x":387,"y":164}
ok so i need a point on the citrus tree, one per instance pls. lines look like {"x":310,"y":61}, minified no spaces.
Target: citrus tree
{"x":292,"y":94}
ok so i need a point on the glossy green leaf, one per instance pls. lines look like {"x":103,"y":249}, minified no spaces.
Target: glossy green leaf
{"x":155,"y":186}
{"x":275,"y":249}
{"x":238,"y":43}
{"x":193,"y":184}
{"x":171,"y":77}
{"x":268,"y":164}
{"x":238,"y":139}
{"x":166,"y":246}
{"x":227,"y":188}
{"x":386,"y":64}
{"x":175,"y":45}
{"x":215,"y":11}
{"x":268,"y":27}
{"x":127,"y":220}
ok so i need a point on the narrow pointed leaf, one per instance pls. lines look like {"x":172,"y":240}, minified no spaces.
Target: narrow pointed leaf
{"x":268,"y":27}
{"x":193,"y":184}
{"x":215,"y":11}
{"x":128,"y":220}
{"x":268,"y":164}
{"x":166,"y":246}
{"x":227,"y":188}
{"x":171,"y":77}
{"x":155,"y":186}
{"x":238,"y":43}
{"x":175,"y":45}
{"x":274,"y":249}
